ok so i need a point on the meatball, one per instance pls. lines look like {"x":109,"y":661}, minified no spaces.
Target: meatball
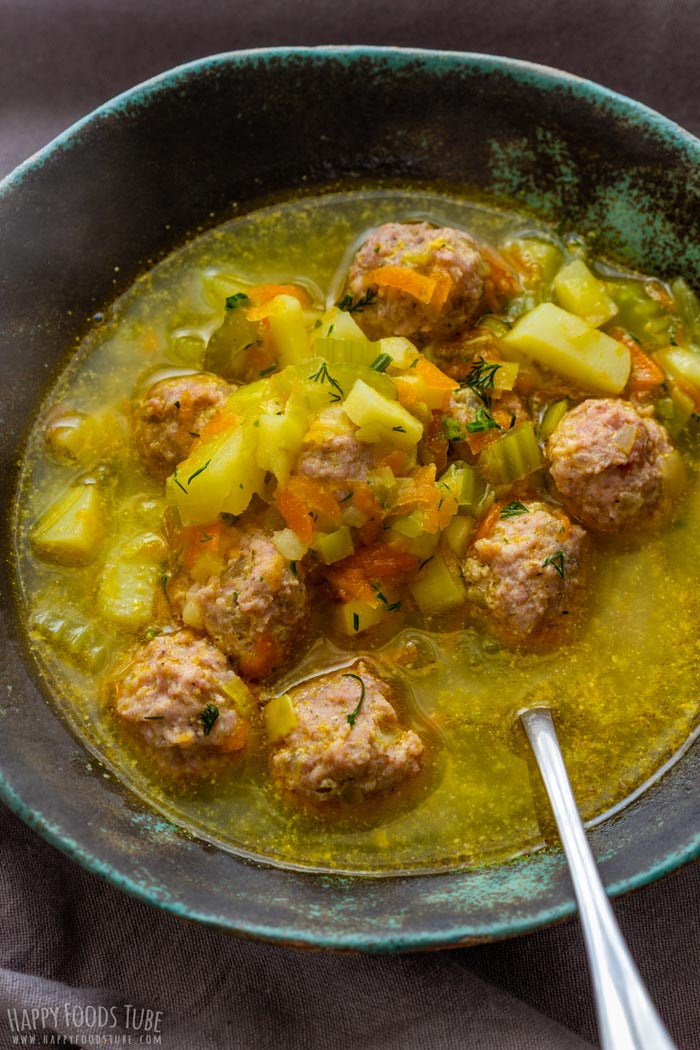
{"x":256,"y":609}
{"x":527,"y":573}
{"x":466,"y":408}
{"x":170,"y":414}
{"x":331,"y":452}
{"x":437,"y":307}
{"x":348,"y":744}
{"x":172,"y":694}
{"x":613,"y":466}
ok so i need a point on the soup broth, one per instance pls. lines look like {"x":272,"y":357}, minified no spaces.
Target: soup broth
{"x":623,"y":679}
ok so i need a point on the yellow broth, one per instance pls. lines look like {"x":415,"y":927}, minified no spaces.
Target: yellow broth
{"x":625,"y":687}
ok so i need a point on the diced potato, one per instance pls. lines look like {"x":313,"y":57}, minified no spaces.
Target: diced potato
{"x":379,"y":418}
{"x":339,"y":324}
{"x":127,"y":591}
{"x":72,"y":530}
{"x":289,"y":545}
{"x":279,"y":441}
{"x":333,"y":546}
{"x":579,"y":291}
{"x":288,"y":329}
{"x":353,"y":617}
{"x":683,"y":365}
{"x":280,"y":717}
{"x":220,"y":476}
{"x":568,"y":346}
{"x":436,"y":589}
{"x":401,"y":351}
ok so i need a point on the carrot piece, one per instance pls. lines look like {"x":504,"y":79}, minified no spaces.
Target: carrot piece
{"x":296,"y":514}
{"x":645,"y":374}
{"x":488,"y":522}
{"x":262,"y":659}
{"x":443,"y":287}
{"x":434,"y":377}
{"x":352,"y":578}
{"x":262,"y":295}
{"x":316,"y":497}
{"x":404,"y":280}
{"x":220,"y":423}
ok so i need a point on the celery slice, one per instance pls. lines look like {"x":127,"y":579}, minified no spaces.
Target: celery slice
{"x":465,"y":484}
{"x":568,"y":346}
{"x":458,"y":533}
{"x":540,"y":255}
{"x":280,"y":717}
{"x":346,"y":351}
{"x":644,"y":317}
{"x":688,"y":306}
{"x":237,"y":691}
{"x":681,"y":364}
{"x":552,"y":417}
{"x":333,"y":546}
{"x":72,"y":530}
{"x":437,"y":590}
{"x":78,"y":641}
{"x":511,"y":457}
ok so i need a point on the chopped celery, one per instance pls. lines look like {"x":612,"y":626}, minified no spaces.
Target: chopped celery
{"x":288,"y":329}
{"x":680,"y":364}
{"x":237,"y":691}
{"x":72,"y":530}
{"x":458,"y":533}
{"x":74,"y":437}
{"x":80,"y":642}
{"x":688,"y":307}
{"x":424,"y":545}
{"x":379,"y":418}
{"x":643,"y":316}
{"x":353,"y":617}
{"x":511,"y":457}
{"x":226,"y":351}
{"x":580,"y":292}
{"x":675,"y":410}
{"x":411,"y":525}
{"x":568,"y":346}
{"x":333,"y":546}
{"x":346,"y":351}
{"x":436,"y":589}
{"x":280,"y":717}
{"x":465,"y":484}
{"x":552,"y":417}
{"x":539,"y":256}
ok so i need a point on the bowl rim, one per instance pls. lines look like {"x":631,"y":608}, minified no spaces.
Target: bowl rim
{"x":460,"y":932}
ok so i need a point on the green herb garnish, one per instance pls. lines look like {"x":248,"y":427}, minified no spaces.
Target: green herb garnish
{"x":197,"y":472}
{"x":481,"y":422}
{"x":232,"y":301}
{"x":208,"y":716}
{"x":480,"y":379}
{"x":381,"y":363}
{"x":353,"y":714}
{"x":556,"y":561}
{"x":452,"y":430}
{"x":178,"y":482}
{"x":355,"y":621}
{"x":322,"y":375}
{"x":356,"y":306}
{"x":268,"y":371}
{"x":513,"y":509}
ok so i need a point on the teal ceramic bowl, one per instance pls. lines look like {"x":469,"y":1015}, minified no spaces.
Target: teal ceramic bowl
{"x":175,"y":155}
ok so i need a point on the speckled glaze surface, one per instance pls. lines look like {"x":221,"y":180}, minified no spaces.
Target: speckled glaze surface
{"x":81,"y":220}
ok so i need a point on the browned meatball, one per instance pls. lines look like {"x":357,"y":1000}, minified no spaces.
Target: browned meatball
{"x":256,"y":609}
{"x":169,"y":416}
{"x":525,"y":576}
{"x":449,"y":258}
{"x":172,"y":695}
{"x":466,"y":409}
{"x":331,"y":452}
{"x":614,"y":467}
{"x":348,"y":743}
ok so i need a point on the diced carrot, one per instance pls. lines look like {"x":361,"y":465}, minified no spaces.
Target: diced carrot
{"x":263,"y":659}
{"x":397,"y":460}
{"x":645,"y":374}
{"x":296,"y":515}
{"x":443,"y":287}
{"x":404,"y":279}
{"x":262,"y":295}
{"x":352,"y":578}
{"x":433,"y":377}
{"x":488,"y":522}
{"x":447,"y":508}
{"x":199,"y":538}
{"x":316,"y":496}
{"x":219,"y":424}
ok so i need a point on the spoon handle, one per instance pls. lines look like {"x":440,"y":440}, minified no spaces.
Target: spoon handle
{"x":627,"y":1018}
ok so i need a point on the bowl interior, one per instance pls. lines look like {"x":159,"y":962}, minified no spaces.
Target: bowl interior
{"x":81,"y":220}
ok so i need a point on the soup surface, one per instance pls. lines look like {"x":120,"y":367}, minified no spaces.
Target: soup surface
{"x":336,"y":489}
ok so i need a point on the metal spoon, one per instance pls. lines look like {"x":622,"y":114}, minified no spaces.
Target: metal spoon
{"x":627,"y":1018}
